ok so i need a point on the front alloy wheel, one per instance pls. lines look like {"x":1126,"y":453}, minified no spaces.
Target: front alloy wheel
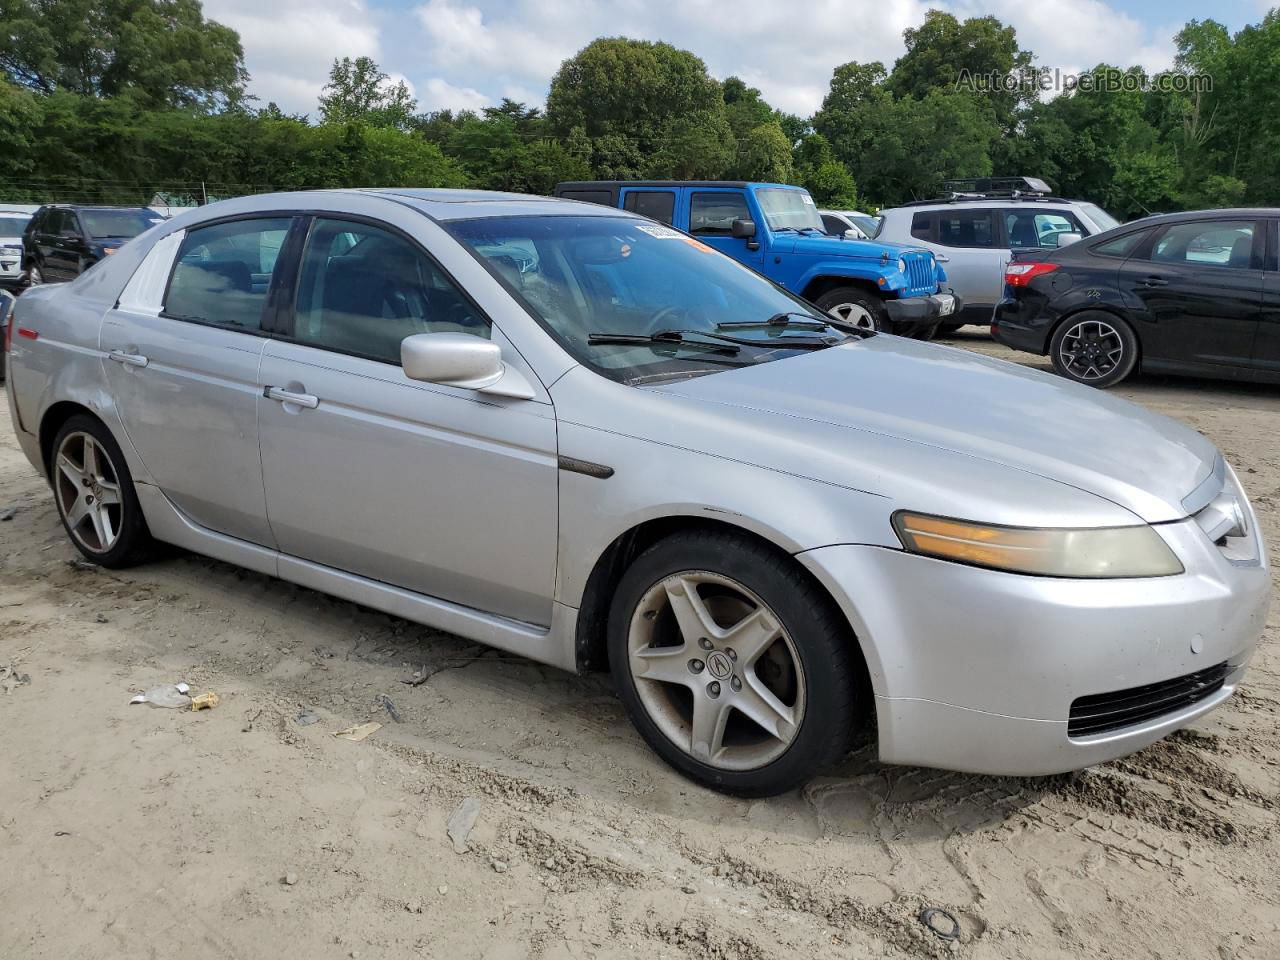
{"x":716,"y":671}
{"x":735,"y":667}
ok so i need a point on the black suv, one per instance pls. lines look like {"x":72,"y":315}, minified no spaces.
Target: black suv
{"x":1191,"y":293}
{"x":63,"y":241}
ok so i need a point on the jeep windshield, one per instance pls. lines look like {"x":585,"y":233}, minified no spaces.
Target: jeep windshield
{"x":789,"y":210}
{"x":640,"y":301}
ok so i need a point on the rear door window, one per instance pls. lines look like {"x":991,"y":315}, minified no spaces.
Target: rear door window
{"x":922,"y":226}
{"x":1220,"y":243}
{"x":224,"y":271}
{"x":1031,"y":228}
{"x":965,"y":228}
{"x":657,"y":204}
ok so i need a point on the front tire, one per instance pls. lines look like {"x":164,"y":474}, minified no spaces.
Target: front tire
{"x":733,"y":666}
{"x":1094,"y":348}
{"x":856,"y":306}
{"x":93,"y":490}
{"x":35,"y":276}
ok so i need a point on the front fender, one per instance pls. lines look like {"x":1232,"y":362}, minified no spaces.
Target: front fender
{"x":855,"y":272}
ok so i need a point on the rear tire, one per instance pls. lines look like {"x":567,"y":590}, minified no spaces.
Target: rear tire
{"x":856,"y":306}
{"x":732,"y":665}
{"x":93,"y":491}
{"x":1095,"y":348}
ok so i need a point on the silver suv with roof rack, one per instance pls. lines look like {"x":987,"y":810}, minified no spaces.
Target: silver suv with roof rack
{"x":979,"y":223}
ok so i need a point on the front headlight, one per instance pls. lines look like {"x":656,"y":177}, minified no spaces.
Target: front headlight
{"x":902,"y":265}
{"x":1097,"y":552}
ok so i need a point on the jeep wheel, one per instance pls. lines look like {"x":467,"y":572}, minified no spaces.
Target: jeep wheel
{"x":855,"y":306}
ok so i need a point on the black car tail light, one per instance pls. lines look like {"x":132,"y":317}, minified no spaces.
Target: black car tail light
{"x":1021,"y":274}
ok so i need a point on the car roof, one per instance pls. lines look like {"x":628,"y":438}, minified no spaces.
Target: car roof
{"x":1221,"y":213}
{"x":925,"y":206}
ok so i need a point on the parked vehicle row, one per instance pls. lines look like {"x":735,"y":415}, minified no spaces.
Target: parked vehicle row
{"x":1191,"y":293}
{"x":61,"y":241}
{"x":573,"y":433}
{"x":12,"y":272}
{"x":975,"y":234}
{"x":776,"y":230}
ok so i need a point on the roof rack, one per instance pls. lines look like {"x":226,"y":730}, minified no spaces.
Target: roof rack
{"x":992,"y":188}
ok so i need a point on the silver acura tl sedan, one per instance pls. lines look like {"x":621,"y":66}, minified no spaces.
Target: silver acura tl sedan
{"x":585,"y":437}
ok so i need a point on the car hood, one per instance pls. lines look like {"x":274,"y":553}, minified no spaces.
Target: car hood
{"x":974,"y":406}
{"x":824,"y":246}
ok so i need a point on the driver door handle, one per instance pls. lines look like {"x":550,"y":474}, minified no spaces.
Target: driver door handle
{"x":128,"y":359}
{"x":287,"y":396}
{"x":1155,"y":282}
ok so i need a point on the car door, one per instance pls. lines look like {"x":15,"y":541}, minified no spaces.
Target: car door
{"x":182,"y":364}
{"x":966,"y":242}
{"x":50,"y":241}
{"x":1266,"y":343}
{"x":432,"y":488}
{"x":654,"y":202}
{"x":711,"y":216}
{"x":1201,"y":284}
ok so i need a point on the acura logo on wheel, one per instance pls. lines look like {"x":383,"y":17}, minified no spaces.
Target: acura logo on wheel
{"x":719,"y":665}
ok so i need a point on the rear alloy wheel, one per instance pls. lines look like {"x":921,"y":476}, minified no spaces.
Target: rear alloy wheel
{"x":94,"y":494}
{"x":1094,"y":348}
{"x":855,"y":306}
{"x":731,"y":665}
{"x":34,"y":276}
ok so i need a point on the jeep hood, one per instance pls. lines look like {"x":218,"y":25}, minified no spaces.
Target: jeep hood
{"x":824,"y":246}
{"x":856,"y":395}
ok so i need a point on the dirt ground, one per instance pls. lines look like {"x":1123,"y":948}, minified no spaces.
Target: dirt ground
{"x":240,"y":832}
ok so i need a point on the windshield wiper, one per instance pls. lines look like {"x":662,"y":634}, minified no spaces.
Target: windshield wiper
{"x":673,"y":338}
{"x":808,"y":322}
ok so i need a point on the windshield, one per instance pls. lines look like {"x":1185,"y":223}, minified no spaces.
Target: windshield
{"x":121,"y":224}
{"x":789,"y":209}
{"x":11,"y":225}
{"x":600,"y":275}
{"x":1104,"y":220}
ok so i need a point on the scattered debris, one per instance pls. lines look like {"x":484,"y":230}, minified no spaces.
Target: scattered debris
{"x":206,"y":701}
{"x":10,"y":678}
{"x":688,"y":889}
{"x":172,"y":696}
{"x":79,"y":563}
{"x":462,"y":822}
{"x":306,"y":718}
{"x":62,"y":833}
{"x":442,"y":889}
{"x":100,"y":618}
{"x":415,"y":906}
{"x":250,"y":720}
{"x":7,"y":514}
{"x":940,"y":922}
{"x":289,"y":879}
{"x":391,"y":708}
{"x":359,"y":731}
{"x":499,"y":866}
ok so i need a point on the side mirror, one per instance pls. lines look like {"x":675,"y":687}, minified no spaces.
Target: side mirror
{"x":852,"y":234}
{"x":461,"y":360}
{"x":1066,"y":239}
{"x":743,"y":229}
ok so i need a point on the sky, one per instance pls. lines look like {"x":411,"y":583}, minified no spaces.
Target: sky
{"x":472,"y":53}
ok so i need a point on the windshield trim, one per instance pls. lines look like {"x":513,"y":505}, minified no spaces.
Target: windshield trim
{"x":558,"y":338}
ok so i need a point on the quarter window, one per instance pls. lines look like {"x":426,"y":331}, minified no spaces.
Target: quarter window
{"x":965,"y":228}
{"x":712,"y":214}
{"x":363,"y":289}
{"x":1222,"y":243}
{"x":658,"y":204}
{"x":224,"y":271}
{"x":1121,"y":246}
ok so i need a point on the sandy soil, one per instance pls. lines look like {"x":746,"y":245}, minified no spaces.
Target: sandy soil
{"x":130,"y":831}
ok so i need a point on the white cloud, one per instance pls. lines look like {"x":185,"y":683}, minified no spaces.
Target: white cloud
{"x":470,"y":53}
{"x":289,"y":45}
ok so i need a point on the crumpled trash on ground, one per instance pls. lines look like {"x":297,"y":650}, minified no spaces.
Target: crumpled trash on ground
{"x":10,"y":678}
{"x":173,"y":696}
{"x":359,"y":731}
{"x":462,"y":823}
{"x":205,"y":701}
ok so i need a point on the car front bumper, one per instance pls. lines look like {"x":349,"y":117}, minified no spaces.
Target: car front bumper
{"x":912,"y":316}
{"x":11,"y":272}
{"x":976,"y":670}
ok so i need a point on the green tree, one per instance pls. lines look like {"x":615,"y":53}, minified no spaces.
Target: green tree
{"x":764,"y":154}
{"x":358,"y":92}
{"x":162,"y":52}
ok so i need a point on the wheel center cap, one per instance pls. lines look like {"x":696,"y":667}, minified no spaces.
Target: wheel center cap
{"x":719,"y":665}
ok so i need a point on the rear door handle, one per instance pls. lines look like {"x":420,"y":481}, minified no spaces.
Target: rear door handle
{"x":288,"y":396}
{"x":128,"y":359}
{"x":1155,"y":282}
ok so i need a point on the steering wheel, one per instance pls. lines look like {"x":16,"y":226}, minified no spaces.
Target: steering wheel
{"x":659,"y":320}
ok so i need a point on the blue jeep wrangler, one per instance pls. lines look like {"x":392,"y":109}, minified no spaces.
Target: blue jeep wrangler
{"x":775,"y":229}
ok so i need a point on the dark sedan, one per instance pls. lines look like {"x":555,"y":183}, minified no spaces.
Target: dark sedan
{"x":1191,"y":293}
